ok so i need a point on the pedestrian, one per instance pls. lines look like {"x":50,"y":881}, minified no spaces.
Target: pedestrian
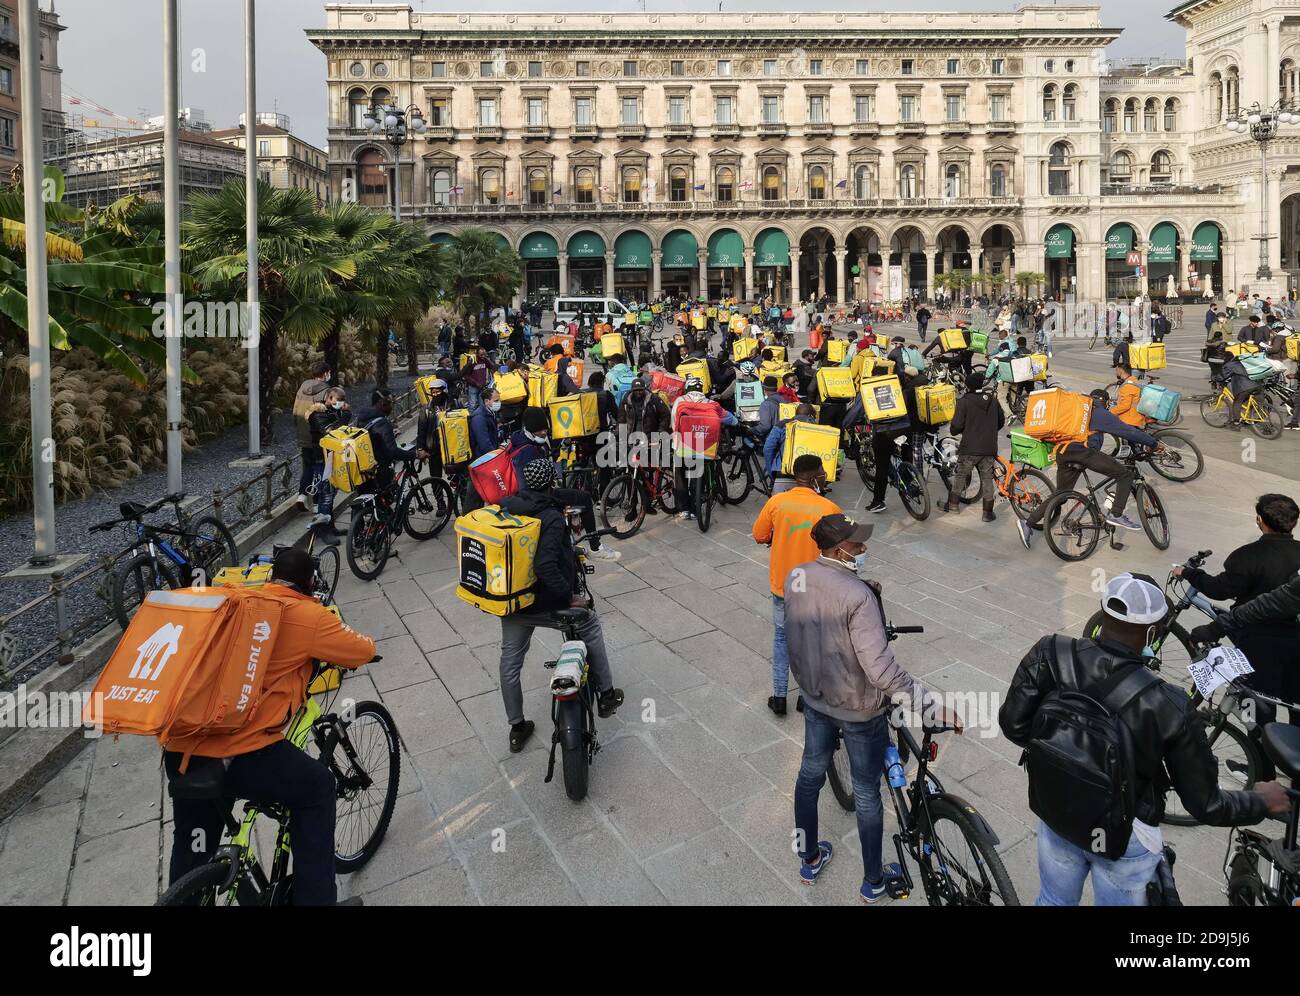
{"x":922,"y":321}
{"x":978,"y":420}
{"x":311,"y":392}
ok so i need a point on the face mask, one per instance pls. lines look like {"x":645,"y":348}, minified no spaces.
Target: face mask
{"x":336,"y":405}
{"x":540,"y":440}
{"x":494,"y":406}
{"x":1148,"y":650}
{"x":859,"y":560}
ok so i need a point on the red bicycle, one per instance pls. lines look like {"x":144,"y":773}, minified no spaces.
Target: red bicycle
{"x":630,"y":496}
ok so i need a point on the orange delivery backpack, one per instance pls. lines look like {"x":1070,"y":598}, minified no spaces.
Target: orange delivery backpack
{"x":493,"y":475}
{"x":698,"y":429}
{"x":1058,"y":416}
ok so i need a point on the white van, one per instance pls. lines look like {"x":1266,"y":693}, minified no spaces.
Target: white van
{"x":601,"y":309}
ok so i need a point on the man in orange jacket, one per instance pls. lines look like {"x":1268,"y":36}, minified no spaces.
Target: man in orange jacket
{"x":260,"y":764}
{"x":1130,"y":393}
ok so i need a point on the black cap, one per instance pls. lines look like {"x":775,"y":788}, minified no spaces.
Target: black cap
{"x":832,"y":530}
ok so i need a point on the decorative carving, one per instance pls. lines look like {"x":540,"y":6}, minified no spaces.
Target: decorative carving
{"x":1015,"y":65}
{"x":462,"y":70}
{"x":421,"y":70}
{"x":699,"y":67}
{"x":606,"y":68}
{"x":654,"y":68}
{"x":559,"y":68}
{"x":974,"y":67}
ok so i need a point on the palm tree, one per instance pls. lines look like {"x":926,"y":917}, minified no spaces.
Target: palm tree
{"x":481,"y":272}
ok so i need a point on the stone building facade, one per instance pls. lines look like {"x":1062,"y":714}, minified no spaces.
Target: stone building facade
{"x":857,"y":155}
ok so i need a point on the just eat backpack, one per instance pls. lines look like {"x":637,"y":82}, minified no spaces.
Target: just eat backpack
{"x":1080,"y":756}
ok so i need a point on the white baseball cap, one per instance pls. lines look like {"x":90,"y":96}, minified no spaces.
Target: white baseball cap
{"x":1134,"y":599}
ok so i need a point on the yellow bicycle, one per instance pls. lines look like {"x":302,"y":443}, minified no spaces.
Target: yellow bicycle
{"x":1257,"y":413}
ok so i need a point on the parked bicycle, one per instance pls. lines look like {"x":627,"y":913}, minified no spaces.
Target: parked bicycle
{"x":165,"y":556}
{"x":630,"y":496}
{"x":420,"y":506}
{"x":904,"y":476}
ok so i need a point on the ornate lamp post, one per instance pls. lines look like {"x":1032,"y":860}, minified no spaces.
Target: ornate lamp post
{"x":1261,"y":124}
{"x":394,"y":124}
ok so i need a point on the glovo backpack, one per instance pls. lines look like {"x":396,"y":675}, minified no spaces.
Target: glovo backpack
{"x":575,"y":415}
{"x":836,"y":350}
{"x":882,"y":398}
{"x":512,"y":387}
{"x":496,"y":551}
{"x":349,"y":456}
{"x":823,"y":441}
{"x":743,"y":349}
{"x":453,"y":436}
{"x":778,"y":353}
{"x":952,"y":339}
{"x":1058,"y":416}
{"x":936,"y":403}
{"x":192,"y":661}
{"x":612,"y":345}
{"x":424,"y":388}
{"x":835,"y":383}
{"x":698,"y":429}
{"x":542,"y":386}
{"x":785,"y":410}
{"x":696,"y":368}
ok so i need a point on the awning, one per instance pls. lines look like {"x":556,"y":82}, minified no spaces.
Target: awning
{"x":441,"y":238}
{"x":772,"y":248}
{"x":539,"y":245}
{"x":586,"y":245}
{"x":1060,"y":242}
{"x":1119,"y":241}
{"x":1164,"y":244}
{"x":632,"y":251}
{"x":681,"y":251}
{"x":502,"y":241}
{"x":1205,"y":243}
{"x":726,"y":249}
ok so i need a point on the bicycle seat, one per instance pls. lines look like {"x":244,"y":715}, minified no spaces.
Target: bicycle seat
{"x":174,"y":498}
{"x":570,"y":617}
{"x":132,"y":509}
{"x":205,"y":778}
{"x":1281,"y":743}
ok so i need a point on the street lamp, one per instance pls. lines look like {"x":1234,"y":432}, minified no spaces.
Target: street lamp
{"x":394,"y":123}
{"x":1261,"y":124}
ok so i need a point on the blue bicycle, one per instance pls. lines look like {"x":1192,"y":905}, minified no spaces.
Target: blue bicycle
{"x":165,"y":556}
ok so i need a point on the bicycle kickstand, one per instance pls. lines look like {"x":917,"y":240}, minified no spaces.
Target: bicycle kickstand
{"x":1115,"y":543}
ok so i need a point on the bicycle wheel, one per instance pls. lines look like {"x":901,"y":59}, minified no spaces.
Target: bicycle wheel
{"x":866,"y":461}
{"x":1235,"y":759}
{"x":1073,"y":525}
{"x":912,"y":489}
{"x":367,"y":767}
{"x":1028,"y":489}
{"x":211,"y":547}
{"x":197,"y":887}
{"x":737,"y":478}
{"x":964,"y":868}
{"x":703,"y":491}
{"x":1181,"y":460}
{"x":1152,"y":515}
{"x":667,"y":495}
{"x":1268,"y":423}
{"x":135,"y":579}
{"x":427,"y":508}
{"x":1215,"y":411}
{"x":757,"y":474}
{"x":841,"y":778}
{"x":622,"y":506}
{"x":368,"y":546}
{"x":326,"y":580}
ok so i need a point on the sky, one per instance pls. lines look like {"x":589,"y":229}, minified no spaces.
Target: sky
{"x":111,"y":52}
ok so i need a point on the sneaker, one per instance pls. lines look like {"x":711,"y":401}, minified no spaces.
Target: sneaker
{"x":777,"y":704}
{"x":1123,"y":521}
{"x":873,"y":891}
{"x":808,"y":872}
{"x":685,"y":516}
{"x":651,"y":510}
{"x":1026,"y":532}
{"x":876,"y":506}
{"x":519,"y":734}
{"x":325,"y":535}
{"x":304,"y":504}
{"x":605,"y":553}
{"x":608,"y":701}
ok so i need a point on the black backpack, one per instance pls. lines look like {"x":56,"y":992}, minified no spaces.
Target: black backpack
{"x":1080,"y":757}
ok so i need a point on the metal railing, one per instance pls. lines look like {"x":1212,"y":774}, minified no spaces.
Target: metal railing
{"x":251,"y":501}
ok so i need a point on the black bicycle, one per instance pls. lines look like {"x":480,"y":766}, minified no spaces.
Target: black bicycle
{"x":1075,"y":521}
{"x":165,"y":556}
{"x":420,"y":506}
{"x":904,"y":476}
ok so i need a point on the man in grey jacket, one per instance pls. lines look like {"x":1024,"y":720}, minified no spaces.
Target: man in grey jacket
{"x":839,"y":652}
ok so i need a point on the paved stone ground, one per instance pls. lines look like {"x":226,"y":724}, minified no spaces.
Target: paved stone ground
{"x":691,"y":795}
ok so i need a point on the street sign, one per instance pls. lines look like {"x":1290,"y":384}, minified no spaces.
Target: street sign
{"x":1138,"y":271}
{"x":1135,"y":259}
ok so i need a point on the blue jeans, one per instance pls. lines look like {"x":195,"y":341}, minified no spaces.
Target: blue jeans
{"x":865,"y":743}
{"x":1063,"y":867}
{"x":314,"y":483}
{"x":780,"y":652}
{"x":473,"y":402}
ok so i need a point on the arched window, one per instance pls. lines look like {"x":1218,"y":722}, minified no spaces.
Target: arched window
{"x":489,"y":185}
{"x":584,"y":186}
{"x":440,"y":186}
{"x":1232,"y":84}
{"x":1150,"y":113}
{"x":1058,"y":169}
{"x":1216,"y":96}
{"x":372,"y":179}
{"x":862,"y":182}
{"x":771,"y":183}
{"x":724,"y":184}
{"x":1130,"y":114}
{"x":1121,"y":168}
{"x":1110,"y":115}
{"x":952,"y":181}
{"x":381,"y":98}
{"x":1069,"y":99}
{"x":1049,"y":102}
{"x":1288,"y":80}
{"x":998,"y":181}
{"x":537,"y":186}
{"x":817,"y":184}
{"x":1162,"y":167}
{"x":907,"y":182}
{"x":1171,"y":114}
{"x":631,"y":185}
{"x":677,"y":183}
{"x":358,"y":104}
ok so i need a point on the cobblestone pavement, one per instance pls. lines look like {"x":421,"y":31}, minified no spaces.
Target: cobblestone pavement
{"x":691,"y":795}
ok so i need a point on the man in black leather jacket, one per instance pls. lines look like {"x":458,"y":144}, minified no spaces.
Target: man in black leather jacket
{"x":1170,"y":750}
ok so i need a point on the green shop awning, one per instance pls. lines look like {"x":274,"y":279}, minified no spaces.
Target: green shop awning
{"x":632,"y":251}
{"x":726,"y":249}
{"x":539,"y":245}
{"x":681,"y":251}
{"x":1164,"y":244}
{"x":586,"y":245}
{"x":441,"y":238}
{"x":502,"y":241}
{"x":1119,"y":242}
{"x":1205,"y":243}
{"x":1060,"y":242}
{"x":772,"y":248}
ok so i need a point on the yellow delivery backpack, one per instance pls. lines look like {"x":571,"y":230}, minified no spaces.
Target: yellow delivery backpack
{"x":835,"y":383}
{"x":786,"y":409}
{"x":936,"y":403}
{"x":611,"y":345}
{"x":952,"y":339}
{"x":453,"y":436}
{"x":822,"y":441}
{"x":743,"y":349}
{"x":424,"y":388}
{"x":1146,"y":355}
{"x":542,"y":385}
{"x":696,"y":368}
{"x":575,"y":415}
{"x":495,"y":550}
{"x":778,"y":353}
{"x":512,"y":387}
{"x":349,"y":456}
{"x":836,"y":350}
{"x":882,"y":397}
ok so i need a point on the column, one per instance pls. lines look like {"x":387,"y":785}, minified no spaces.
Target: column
{"x":1185,"y":265}
{"x":656,"y":286}
{"x":819,"y":267}
{"x":795,"y":253}
{"x":862,"y":286}
{"x":1272,"y":70}
{"x":841,"y":275}
{"x":1091,"y":282}
{"x":749,"y":274}
{"x":564,"y":272}
{"x":929,"y":271}
{"x":1145,"y":282}
{"x":703,"y":254}
{"x":609,"y":274}
{"x":1275,"y":221}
